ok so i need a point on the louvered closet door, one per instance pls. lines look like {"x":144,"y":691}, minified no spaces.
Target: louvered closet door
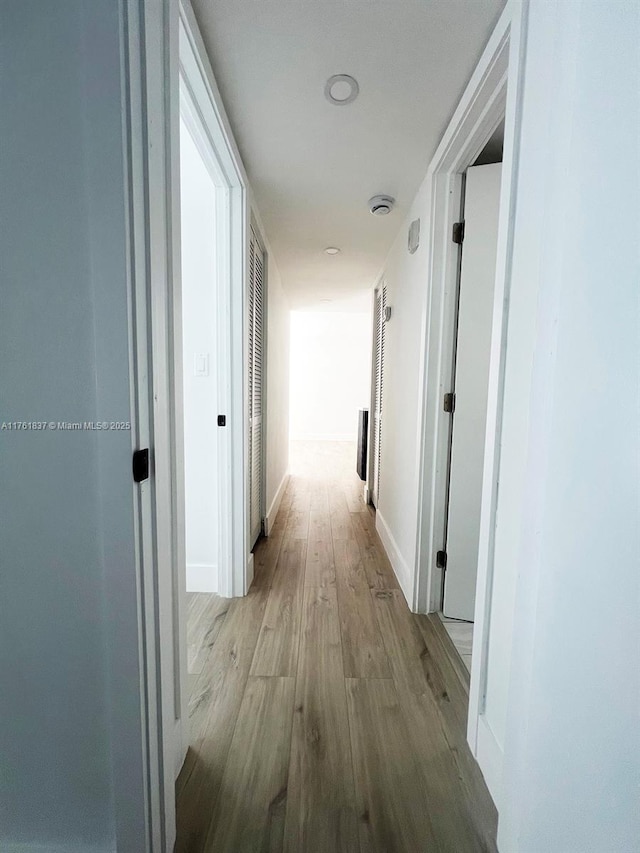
{"x":378,"y":373}
{"x":256,"y":361}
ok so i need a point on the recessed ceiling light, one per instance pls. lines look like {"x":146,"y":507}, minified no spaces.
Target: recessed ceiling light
{"x":331,"y":250}
{"x":341,"y":89}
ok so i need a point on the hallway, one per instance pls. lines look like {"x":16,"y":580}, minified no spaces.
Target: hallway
{"x":324,"y":715}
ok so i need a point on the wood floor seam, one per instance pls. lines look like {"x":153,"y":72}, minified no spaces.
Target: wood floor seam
{"x":346,"y":698}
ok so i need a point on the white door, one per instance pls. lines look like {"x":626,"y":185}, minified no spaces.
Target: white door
{"x":256,"y":361}
{"x":477,"y":280}
{"x":375,"y":431}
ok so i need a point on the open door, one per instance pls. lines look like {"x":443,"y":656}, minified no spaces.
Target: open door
{"x":477,"y":281}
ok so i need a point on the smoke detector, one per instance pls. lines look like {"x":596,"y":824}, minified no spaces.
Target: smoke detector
{"x":381,"y":205}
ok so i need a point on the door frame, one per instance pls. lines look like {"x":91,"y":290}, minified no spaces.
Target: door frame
{"x":493,"y":93}
{"x":198,"y":108}
{"x":162,"y":46}
{"x":201,"y":103}
{"x":146,"y":59}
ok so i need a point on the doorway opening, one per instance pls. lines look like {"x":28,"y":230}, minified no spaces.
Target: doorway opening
{"x":477,"y":239}
{"x":198,"y":196}
{"x":490,"y":100}
{"x":329,"y":382}
{"x":199,"y":365}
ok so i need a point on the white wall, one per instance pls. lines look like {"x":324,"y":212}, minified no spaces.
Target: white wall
{"x":572,"y":743}
{"x":406,"y":276}
{"x":71,"y":732}
{"x":277,"y":420}
{"x":330,"y":373}
{"x":563,"y":692}
{"x":199,"y":313}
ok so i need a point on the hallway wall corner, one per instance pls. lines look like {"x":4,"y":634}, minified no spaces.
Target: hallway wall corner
{"x":272,"y":511}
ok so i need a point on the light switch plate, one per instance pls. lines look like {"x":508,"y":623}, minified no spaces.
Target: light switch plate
{"x":201,"y":366}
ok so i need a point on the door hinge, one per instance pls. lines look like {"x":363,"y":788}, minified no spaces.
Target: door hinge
{"x":222,"y":420}
{"x":458,"y":232}
{"x":441,"y":560}
{"x":450,"y":403}
{"x":140,"y":465}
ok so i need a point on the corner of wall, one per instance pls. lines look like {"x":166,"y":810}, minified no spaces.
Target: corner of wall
{"x":275,"y":505}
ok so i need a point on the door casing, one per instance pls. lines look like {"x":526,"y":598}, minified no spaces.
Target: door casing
{"x":163,"y":48}
{"x":493,"y":92}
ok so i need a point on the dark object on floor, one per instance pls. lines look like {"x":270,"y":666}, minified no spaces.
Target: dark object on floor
{"x":363,"y":435}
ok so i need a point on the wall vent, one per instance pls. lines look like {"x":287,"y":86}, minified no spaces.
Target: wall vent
{"x":413,"y":238}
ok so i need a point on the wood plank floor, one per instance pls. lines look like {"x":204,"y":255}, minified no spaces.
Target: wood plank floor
{"x":324,"y":715}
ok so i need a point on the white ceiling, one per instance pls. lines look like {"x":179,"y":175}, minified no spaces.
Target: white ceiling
{"x":313,"y":166}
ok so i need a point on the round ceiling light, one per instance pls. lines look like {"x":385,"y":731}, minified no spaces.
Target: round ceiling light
{"x":331,"y":250}
{"x":381,"y":205}
{"x":341,"y":89}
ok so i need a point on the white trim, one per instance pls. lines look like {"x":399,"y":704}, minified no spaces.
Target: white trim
{"x":150,"y":98}
{"x":482,"y":617}
{"x":400,"y":567}
{"x":250,"y":570}
{"x":203,"y":577}
{"x":490,"y":757}
{"x":493,"y":91}
{"x":225,"y":143}
{"x":180,"y":674}
{"x":325,"y":436}
{"x":275,"y":505}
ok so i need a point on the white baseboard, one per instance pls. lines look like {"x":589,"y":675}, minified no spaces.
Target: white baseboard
{"x":250,"y":572}
{"x":325,"y":436}
{"x":202,"y":577}
{"x":275,"y":505}
{"x":400,"y":567}
{"x":490,"y":759}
